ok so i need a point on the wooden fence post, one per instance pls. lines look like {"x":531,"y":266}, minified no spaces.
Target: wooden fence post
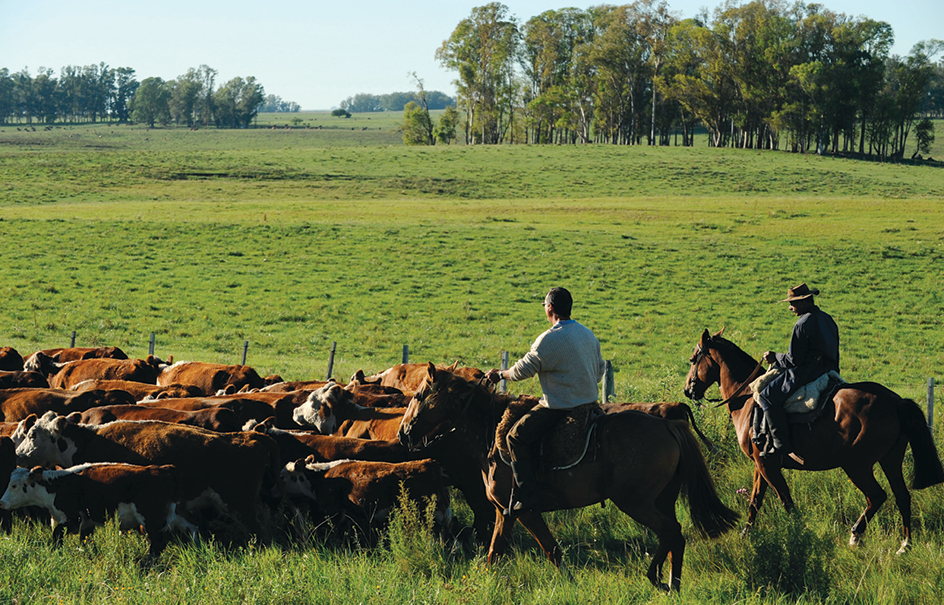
{"x":334,"y":347}
{"x":406,"y":354}
{"x":503,"y":384}
{"x":608,"y":382}
{"x":931,"y":404}
{"x":72,"y":342}
{"x":245,"y":350}
{"x":151,"y":343}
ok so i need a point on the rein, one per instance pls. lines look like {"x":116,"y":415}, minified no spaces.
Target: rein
{"x":753,"y":375}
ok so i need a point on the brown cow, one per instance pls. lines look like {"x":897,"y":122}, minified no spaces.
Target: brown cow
{"x":222,"y":469}
{"x":81,"y":497}
{"x":17,"y":404}
{"x":140,"y":390}
{"x":248,"y":412}
{"x":367,"y":492}
{"x":7,"y":465}
{"x":137,"y":370}
{"x":211,"y":377}
{"x":331,"y":410}
{"x":10,"y":360}
{"x":21,"y":379}
{"x":41,"y":361}
{"x":219,"y":419}
{"x":409,"y":376}
{"x":326,"y":448}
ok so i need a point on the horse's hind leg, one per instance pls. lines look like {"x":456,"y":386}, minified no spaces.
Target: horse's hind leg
{"x":500,"y":536}
{"x":534,"y":523}
{"x":891,"y":466}
{"x":863,"y":478}
{"x":660,"y":518}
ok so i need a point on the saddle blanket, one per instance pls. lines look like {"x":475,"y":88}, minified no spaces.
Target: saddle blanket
{"x":805,"y":399}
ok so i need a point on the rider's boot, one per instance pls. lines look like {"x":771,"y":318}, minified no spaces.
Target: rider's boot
{"x":524,"y":496}
{"x":757,"y":422}
{"x":780,"y":432}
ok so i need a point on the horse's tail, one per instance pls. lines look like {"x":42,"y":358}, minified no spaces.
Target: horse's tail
{"x":708,"y":512}
{"x":927,"y":466}
{"x":702,"y":436}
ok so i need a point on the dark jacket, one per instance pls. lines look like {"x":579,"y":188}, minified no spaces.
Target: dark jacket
{"x":814,"y":351}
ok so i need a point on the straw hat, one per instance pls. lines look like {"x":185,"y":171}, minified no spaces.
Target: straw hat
{"x":800,"y":292}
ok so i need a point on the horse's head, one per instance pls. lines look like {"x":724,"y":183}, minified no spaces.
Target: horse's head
{"x":704,"y":370}
{"x":433,"y":408}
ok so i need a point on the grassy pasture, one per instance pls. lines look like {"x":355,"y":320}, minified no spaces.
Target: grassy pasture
{"x":293,"y":242}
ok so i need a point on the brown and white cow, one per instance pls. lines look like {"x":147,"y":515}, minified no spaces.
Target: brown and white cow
{"x":223,"y":470}
{"x":331,"y":410}
{"x":211,"y":377}
{"x":17,"y":404}
{"x":15,"y":379}
{"x":82,"y":497}
{"x":141,"y":390}
{"x":137,"y":370}
{"x":10,"y":360}
{"x":249,"y":412}
{"x":219,"y":419}
{"x":367,"y":492}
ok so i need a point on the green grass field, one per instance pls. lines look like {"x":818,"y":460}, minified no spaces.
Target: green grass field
{"x":296,"y":238}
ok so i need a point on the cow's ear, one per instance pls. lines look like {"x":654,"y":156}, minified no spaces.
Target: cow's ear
{"x":29,"y":421}
{"x":75,"y":417}
{"x":59,"y":424}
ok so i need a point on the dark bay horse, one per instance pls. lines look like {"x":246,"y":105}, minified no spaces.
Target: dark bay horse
{"x":641,"y":463}
{"x":864,"y":423}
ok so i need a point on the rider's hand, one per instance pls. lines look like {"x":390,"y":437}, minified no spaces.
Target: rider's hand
{"x":493,"y":376}
{"x":770,"y":357}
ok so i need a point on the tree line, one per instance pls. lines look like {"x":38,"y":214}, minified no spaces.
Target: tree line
{"x":96,"y":93}
{"x":395,"y":101}
{"x":763,"y":75}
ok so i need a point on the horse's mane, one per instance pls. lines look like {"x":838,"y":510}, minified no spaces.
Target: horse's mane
{"x":733,"y":348}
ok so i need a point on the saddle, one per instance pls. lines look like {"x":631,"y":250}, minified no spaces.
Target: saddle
{"x":563,"y":446}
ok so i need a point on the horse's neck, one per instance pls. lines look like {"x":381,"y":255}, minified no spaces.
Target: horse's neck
{"x":479,"y":429}
{"x":736,"y":368}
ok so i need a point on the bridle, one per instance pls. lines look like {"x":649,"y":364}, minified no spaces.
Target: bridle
{"x":700,"y":353}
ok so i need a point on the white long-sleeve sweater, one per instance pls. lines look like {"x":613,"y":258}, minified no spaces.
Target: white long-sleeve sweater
{"x":568,"y":363}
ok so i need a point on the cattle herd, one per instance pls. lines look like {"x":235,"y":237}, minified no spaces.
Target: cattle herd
{"x":195,"y":450}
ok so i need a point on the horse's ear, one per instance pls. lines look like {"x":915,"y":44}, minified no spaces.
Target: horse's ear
{"x":454,"y":365}
{"x":720,"y":332}
{"x":705,"y":337}
{"x":431,"y":370}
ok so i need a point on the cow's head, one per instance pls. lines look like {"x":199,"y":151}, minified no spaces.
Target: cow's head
{"x":26,"y":488}
{"x":42,"y":363}
{"x":295,"y":480}
{"x":318,"y":411}
{"x":44,"y":444}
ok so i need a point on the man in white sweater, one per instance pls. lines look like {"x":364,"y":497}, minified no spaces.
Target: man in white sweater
{"x":569,"y":365}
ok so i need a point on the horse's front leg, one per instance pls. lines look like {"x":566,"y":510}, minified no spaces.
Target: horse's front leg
{"x":534,"y":523}
{"x":875,"y":496}
{"x":758,"y":489}
{"x":773,"y":475}
{"x":500,"y":536}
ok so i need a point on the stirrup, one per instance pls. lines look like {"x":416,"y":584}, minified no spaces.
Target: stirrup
{"x":797,"y":458}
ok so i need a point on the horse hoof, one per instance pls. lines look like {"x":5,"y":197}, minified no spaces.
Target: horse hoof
{"x":855,"y":540}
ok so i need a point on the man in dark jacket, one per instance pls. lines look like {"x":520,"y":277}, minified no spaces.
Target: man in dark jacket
{"x":814,"y":351}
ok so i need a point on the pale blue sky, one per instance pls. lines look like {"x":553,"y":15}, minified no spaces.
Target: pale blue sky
{"x":316,"y":53}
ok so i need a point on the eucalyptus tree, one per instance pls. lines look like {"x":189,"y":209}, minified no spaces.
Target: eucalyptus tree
{"x":236,"y":103}
{"x":45,"y":93}
{"x":151,"y":102}
{"x":125,"y":86}
{"x":682,"y":59}
{"x":558,"y":92}
{"x":482,"y":50}
{"x":6,"y":95}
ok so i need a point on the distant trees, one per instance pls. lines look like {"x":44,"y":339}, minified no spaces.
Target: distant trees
{"x":761,"y":75}
{"x":275,"y":104}
{"x":395,"y":101}
{"x":95,"y":93}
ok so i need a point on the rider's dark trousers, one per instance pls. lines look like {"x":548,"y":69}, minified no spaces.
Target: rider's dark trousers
{"x":524,"y":436}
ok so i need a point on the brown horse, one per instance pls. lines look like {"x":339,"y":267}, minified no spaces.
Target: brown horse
{"x":864,"y":423}
{"x":640,"y":462}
